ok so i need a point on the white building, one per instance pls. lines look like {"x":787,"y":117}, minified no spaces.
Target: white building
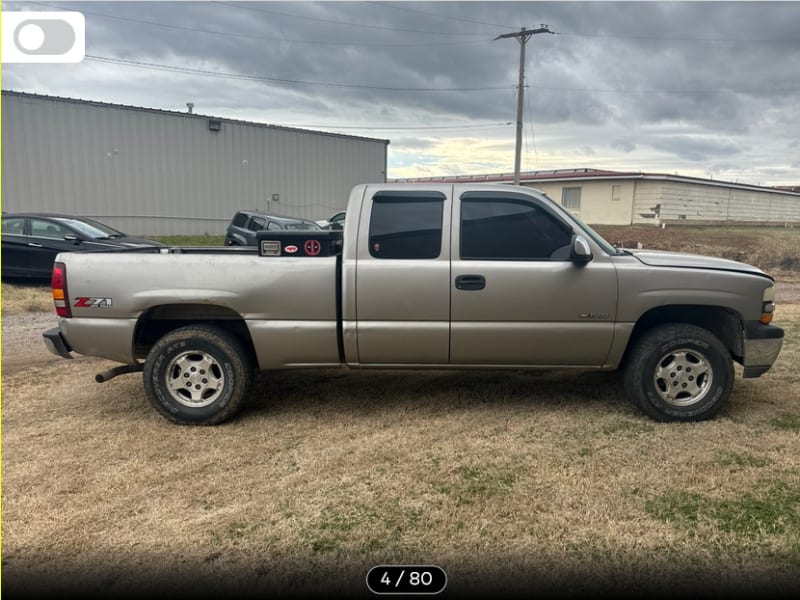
{"x":159,"y":172}
{"x":617,"y":198}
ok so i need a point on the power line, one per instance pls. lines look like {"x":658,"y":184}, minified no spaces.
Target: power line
{"x":392,"y":128}
{"x":530,"y":128}
{"x":227,"y":75}
{"x":522,"y":36}
{"x":755,"y":91}
{"x":255,"y":36}
{"x":680,"y":39}
{"x":172,"y":68}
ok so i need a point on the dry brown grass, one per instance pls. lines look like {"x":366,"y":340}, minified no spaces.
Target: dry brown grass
{"x":773,"y":249}
{"x":511,"y":482}
{"x":23,"y":298}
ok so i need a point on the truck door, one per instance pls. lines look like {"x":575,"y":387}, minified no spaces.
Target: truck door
{"x":517,"y":298}
{"x":403,"y":276}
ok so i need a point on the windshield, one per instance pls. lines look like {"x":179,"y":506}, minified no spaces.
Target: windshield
{"x":92,"y":229}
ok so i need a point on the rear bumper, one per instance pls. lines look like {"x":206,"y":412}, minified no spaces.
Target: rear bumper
{"x":762,"y":344}
{"x":56,"y":343}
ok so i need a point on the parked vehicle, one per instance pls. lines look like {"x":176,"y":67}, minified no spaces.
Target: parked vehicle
{"x":31,"y":241}
{"x":437,"y":276}
{"x":245,"y":224}
{"x":335,"y":221}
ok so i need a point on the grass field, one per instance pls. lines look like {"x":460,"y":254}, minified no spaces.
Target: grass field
{"x":515,"y":483}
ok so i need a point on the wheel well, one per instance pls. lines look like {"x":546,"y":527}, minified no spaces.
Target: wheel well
{"x":157,"y":321}
{"x":724,"y":323}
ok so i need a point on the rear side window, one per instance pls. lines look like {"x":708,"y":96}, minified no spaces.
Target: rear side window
{"x":256,"y":224}
{"x":239,"y":220}
{"x":511,"y":229}
{"x":406,"y":226}
{"x":48,"y":229}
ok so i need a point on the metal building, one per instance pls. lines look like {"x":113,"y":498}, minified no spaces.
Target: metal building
{"x":602,"y":197}
{"x":158,"y":172}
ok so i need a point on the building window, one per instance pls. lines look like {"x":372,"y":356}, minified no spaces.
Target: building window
{"x":571,"y":198}
{"x":616,"y":193}
{"x":509,"y":229}
{"x":406,"y":227}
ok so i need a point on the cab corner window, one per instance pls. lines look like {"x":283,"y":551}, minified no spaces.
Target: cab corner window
{"x":511,"y":229}
{"x":406,"y":227}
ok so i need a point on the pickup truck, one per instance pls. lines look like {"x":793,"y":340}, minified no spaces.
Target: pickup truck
{"x":472,"y":276}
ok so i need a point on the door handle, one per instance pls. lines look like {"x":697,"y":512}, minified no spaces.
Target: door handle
{"x":34,"y":245}
{"x":470,"y":282}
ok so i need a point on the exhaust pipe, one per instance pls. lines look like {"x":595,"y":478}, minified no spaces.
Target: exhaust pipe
{"x":120,"y":370}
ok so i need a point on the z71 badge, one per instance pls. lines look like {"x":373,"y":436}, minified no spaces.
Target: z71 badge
{"x":92,"y":303}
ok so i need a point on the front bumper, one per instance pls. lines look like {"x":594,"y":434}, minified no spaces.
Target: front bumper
{"x":762,"y":344}
{"x":56,"y":343}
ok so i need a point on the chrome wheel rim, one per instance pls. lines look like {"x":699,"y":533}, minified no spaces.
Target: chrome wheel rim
{"x":683,"y":377}
{"x":195,"y":379}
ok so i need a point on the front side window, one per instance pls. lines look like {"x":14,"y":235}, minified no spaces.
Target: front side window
{"x":406,"y":227}
{"x":511,"y":229}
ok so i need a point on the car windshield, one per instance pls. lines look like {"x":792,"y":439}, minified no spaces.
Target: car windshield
{"x":93,"y":229}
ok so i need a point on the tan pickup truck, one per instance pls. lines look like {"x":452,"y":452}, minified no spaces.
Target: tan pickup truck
{"x":422,"y":276}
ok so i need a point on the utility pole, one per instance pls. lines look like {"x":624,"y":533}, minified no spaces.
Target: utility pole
{"x":522,"y":36}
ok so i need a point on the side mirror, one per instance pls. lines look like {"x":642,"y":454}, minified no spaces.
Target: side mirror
{"x":580,"y":252}
{"x":72,"y":238}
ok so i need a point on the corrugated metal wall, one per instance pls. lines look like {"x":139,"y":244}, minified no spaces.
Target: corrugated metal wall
{"x":155,"y":173}
{"x":677,"y":201}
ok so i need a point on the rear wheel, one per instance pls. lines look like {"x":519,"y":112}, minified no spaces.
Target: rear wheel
{"x":679,"y":372}
{"x":197,"y":375}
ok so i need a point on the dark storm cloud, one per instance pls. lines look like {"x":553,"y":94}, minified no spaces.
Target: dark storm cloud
{"x":675,"y":76}
{"x":694,"y":148}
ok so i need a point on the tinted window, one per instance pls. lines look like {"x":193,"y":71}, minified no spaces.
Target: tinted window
{"x":13,"y":225}
{"x":406,"y":227}
{"x":47,"y":229}
{"x":508,"y":229}
{"x":256,"y":224}
{"x":239,"y":220}
{"x":301,"y":226}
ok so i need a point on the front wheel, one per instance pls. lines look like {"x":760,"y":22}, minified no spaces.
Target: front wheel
{"x":679,"y":373}
{"x":197,"y":375}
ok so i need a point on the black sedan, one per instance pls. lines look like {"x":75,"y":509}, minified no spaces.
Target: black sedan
{"x":31,"y":241}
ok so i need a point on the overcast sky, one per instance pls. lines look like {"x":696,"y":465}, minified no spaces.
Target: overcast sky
{"x":708,"y":89}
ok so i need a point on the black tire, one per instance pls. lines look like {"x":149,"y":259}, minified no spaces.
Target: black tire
{"x":679,"y":372}
{"x":197,"y":375}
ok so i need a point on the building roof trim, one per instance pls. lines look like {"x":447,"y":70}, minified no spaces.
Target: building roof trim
{"x":190,"y":115}
{"x":591,"y":175}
